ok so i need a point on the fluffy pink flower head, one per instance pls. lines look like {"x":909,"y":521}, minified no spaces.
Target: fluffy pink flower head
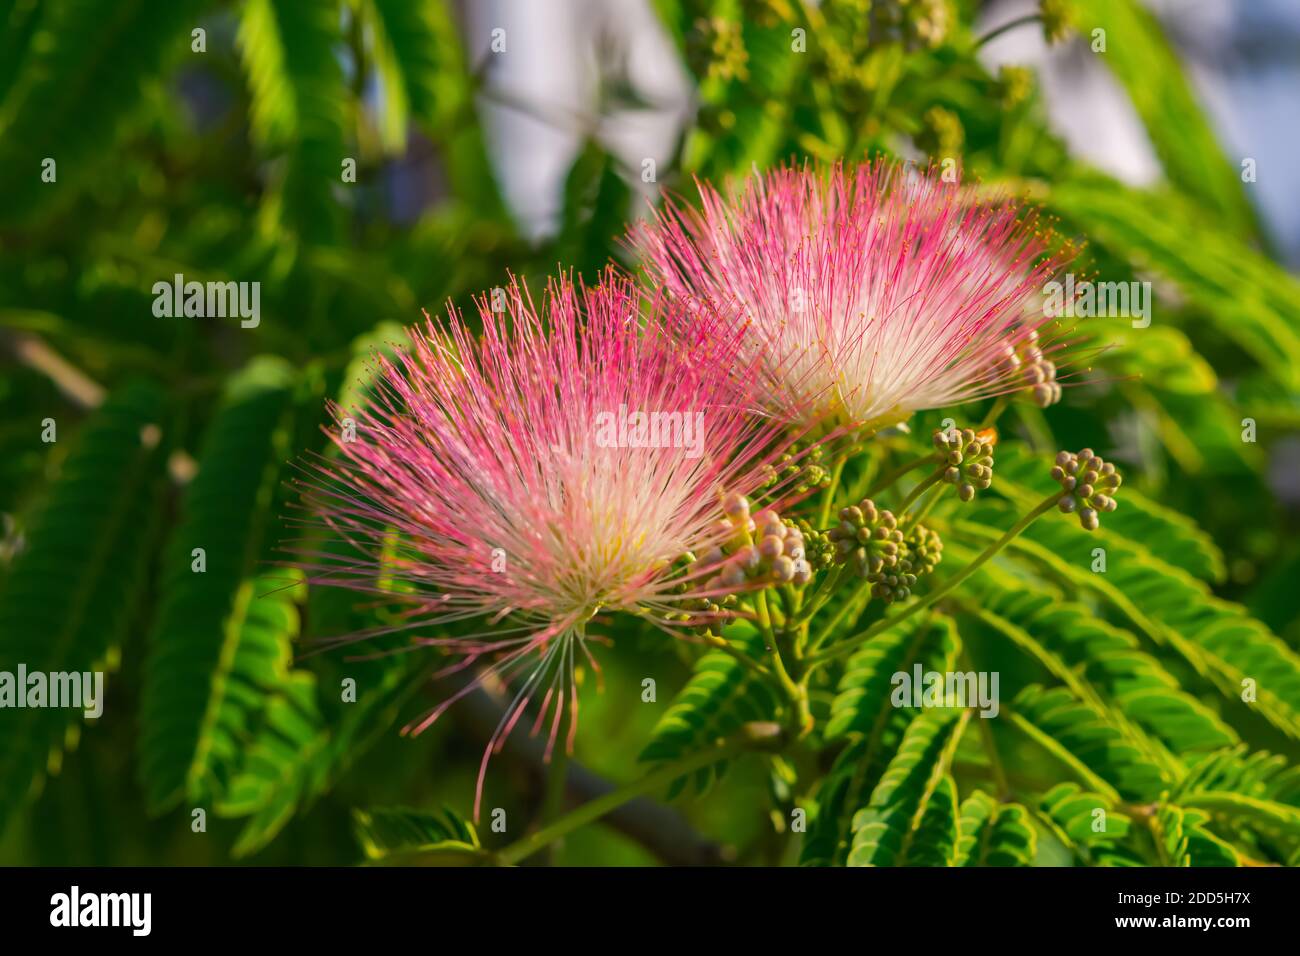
{"x":559,"y":466}
{"x":870,"y":293}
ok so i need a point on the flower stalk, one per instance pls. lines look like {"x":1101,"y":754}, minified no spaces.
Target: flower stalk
{"x":846,"y":646}
{"x":590,"y":812}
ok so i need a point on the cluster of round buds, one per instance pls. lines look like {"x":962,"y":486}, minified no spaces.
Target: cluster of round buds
{"x":919,"y":553}
{"x":868,"y":537}
{"x":819,"y":549}
{"x":766,"y":13}
{"x":761,"y":549}
{"x":700,"y":611}
{"x":1037,"y":372}
{"x":1091,"y":485}
{"x":941,"y":132}
{"x":799,"y":473}
{"x":716,"y":49}
{"x":968,"y":461}
{"x":914,"y":23}
{"x":924,"y":549}
{"x":1016,"y":84}
{"x":1056,"y":19}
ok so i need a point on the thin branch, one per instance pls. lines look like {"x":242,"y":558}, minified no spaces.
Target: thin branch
{"x":662,"y":831}
{"x":80,"y":389}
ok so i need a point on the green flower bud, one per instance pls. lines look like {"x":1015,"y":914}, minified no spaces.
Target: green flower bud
{"x":970,"y":460}
{"x":1091,"y":483}
{"x":866,"y":537}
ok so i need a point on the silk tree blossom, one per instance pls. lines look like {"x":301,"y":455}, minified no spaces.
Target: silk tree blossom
{"x":870,"y":294}
{"x":487,"y":482}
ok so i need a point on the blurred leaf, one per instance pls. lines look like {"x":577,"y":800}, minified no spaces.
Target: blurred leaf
{"x":70,"y":594}
{"x":1249,"y":300}
{"x":395,"y":835}
{"x":288,"y":50}
{"x":1184,"y":841}
{"x":84,"y":74}
{"x":721,"y":695}
{"x":911,"y":818}
{"x":302,"y":749}
{"x":220,"y":644}
{"x":994,"y":834}
{"x":596,"y":205}
{"x":1145,"y":63}
{"x":1088,"y":825}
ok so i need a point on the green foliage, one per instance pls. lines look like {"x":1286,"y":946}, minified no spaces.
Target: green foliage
{"x":1087,"y":825}
{"x":721,"y":695}
{"x":862,"y":705}
{"x":863,"y":711}
{"x":435,"y":838}
{"x":71,"y":596}
{"x":1144,"y":62}
{"x":220,"y":649}
{"x":994,"y":834}
{"x":1098,"y":661}
{"x":67,"y":86}
{"x":1168,"y":606}
{"x":1182,"y":840}
{"x":1249,"y":299}
{"x":298,"y":102}
{"x":911,"y":818}
{"x":1149,"y":673}
{"x":1087,"y":743}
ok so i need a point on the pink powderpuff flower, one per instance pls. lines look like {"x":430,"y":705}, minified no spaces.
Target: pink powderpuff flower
{"x":561,"y":465}
{"x":870,"y":294}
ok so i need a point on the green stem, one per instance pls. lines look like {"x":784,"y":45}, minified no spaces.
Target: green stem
{"x":724,"y":645}
{"x":990,"y":745}
{"x":557,"y":772}
{"x":919,"y":490}
{"x":848,"y":644}
{"x":823,"y":594}
{"x":798,"y":695}
{"x":889,"y":478}
{"x":795,"y":623}
{"x":595,"y":809}
{"x":995,"y":412}
{"x":1011,"y":25}
{"x":829,"y":502}
{"x":764,"y":618}
{"x":926,"y":505}
{"x":853,"y":605}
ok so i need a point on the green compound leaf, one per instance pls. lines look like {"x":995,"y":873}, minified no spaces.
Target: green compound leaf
{"x":911,"y":818}
{"x":721,"y":695}
{"x":394,"y":835}
{"x":864,"y":712}
{"x":1084,"y":738}
{"x":1087,"y":825}
{"x":1142,"y":59}
{"x":221,"y":643}
{"x":1099,"y":662}
{"x":70,"y":594}
{"x":1183,"y":840}
{"x":994,"y":834}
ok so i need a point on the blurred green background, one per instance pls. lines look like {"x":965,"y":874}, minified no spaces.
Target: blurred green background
{"x":231,"y":163}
